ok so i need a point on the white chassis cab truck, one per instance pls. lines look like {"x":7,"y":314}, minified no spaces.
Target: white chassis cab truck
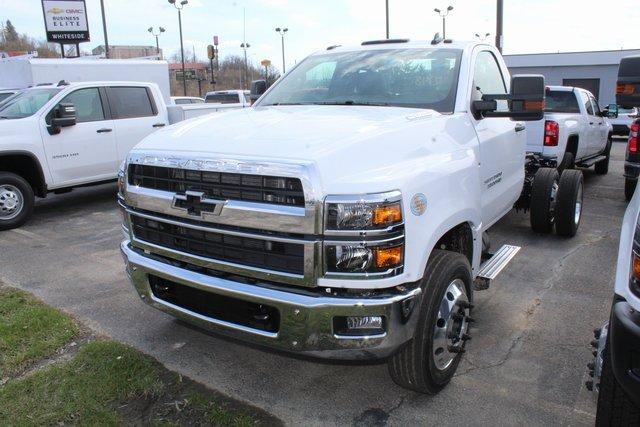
{"x":616,"y":368}
{"x":57,"y":137}
{"x":574,"y":131}
{"x":343,"y":216}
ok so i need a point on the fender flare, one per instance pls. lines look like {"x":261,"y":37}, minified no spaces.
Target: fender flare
{"x":42,"y":191}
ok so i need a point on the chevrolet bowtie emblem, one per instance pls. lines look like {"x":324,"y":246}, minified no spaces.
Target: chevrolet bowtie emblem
{"x":195,"y":203}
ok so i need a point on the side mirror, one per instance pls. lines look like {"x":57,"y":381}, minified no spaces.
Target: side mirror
{"x":526,"y":100}
{"x":258,"y":87}
{"x":611,"y":112}
{"x":63,"y":115}
{"x":628,"y":87}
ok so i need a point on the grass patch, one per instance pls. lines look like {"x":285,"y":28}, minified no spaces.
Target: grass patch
{"x":105,"y":383}
{"x":29,"y":330}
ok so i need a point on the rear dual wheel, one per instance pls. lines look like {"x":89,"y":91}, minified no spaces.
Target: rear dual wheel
{"x":556,"y":200}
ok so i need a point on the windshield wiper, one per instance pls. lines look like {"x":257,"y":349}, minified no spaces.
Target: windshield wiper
{"x":282,"y":103}
{"x":357,"y":103}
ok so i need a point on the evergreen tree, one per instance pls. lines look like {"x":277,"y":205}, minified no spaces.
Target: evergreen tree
{"x":10,"y":33}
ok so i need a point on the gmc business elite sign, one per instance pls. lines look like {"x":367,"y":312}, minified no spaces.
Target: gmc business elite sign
{"x":66,"y":21}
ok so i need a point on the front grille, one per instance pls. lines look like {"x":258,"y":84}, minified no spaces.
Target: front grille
{"x":265,"y":254}
{"x":257,"y":316}
{"x":220,"y":185}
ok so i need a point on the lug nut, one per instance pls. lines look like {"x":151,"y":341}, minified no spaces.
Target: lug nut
{"x":591,"y":373}
{"x":456,"y":349}
{"x":466,"y":304}
{"x":596,"y":333}
{"x":594,"y":343}
{"x":466,"y":337}
{"x":591,"y":366}
{"x":595,"y":353}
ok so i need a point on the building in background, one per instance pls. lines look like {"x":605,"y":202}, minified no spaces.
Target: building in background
{"x":595,"y":71}
{"x":127,"y":52}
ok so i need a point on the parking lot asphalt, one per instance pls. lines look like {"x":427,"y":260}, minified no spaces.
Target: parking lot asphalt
{"x":525,"y":365}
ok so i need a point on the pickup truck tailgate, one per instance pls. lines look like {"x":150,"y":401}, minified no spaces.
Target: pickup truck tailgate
{"x":535,"y":136}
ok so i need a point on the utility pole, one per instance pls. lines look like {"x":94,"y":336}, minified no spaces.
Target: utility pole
{"x":104,"y":28}
{"x":387,"y":10}
{"x":499,"y":22}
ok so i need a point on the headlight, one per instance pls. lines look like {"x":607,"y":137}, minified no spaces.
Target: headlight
{"x":364,"y":258}
{"x":361,"y":213}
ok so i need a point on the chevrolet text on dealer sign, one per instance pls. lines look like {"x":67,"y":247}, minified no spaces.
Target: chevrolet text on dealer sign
{"x":66,"y":21}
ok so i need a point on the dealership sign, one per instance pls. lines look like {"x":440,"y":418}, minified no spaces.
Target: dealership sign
{"x":66,"y":21}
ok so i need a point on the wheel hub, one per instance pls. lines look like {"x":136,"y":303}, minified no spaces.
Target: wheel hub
{"x":11,"y":202}
{"x":450,"y":329}
{"x":578,"y":210}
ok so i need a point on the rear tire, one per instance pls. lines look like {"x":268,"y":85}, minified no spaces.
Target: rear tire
{"x":602,"y":167}
{"x":629,"y":188}
{"x":543,"y":195}
{"x":16,"y":201}
{"x":568,"y":162}
{"x":614,"y":406}
{"x":426,"y":364}
{"x":569,"y":203}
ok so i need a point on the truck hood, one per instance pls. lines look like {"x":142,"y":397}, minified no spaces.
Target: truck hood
{"x":346,"y":143}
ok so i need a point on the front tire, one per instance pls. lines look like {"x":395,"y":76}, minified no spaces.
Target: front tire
{"x":569,"y":203}
{"x":614,"y":406}
{"x":543,"y":196}
{"x":428,"y":362}
{"x":16,"y":201}
{"x":629,"y":188}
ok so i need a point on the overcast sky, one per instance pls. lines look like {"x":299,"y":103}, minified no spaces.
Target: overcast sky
{"x":530,"y":25}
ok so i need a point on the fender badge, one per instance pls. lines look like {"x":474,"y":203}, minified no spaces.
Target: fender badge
{"x":418,"y":204}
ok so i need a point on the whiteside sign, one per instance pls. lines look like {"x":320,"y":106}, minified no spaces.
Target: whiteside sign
{"x":66,"y":21}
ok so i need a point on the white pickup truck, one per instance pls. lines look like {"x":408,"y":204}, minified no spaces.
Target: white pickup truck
{"x":227,"y":99}
{"x":574,"y":130}
{"x":56,"y":137}
{"x":343,"y":216}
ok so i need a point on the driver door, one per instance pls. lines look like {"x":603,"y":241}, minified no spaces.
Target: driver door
{"x":501,"y":143}
{"x":86,"y":151}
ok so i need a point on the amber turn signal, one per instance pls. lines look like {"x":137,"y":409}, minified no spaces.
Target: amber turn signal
{"x":388,"y":257}
{"x":636,"y":266}
{"x":625,"y":89}
{"x":534,"y":105}
{"x":388,"y":214}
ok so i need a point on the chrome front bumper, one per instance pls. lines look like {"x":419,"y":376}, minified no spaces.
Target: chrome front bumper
{"x":306,"y":320}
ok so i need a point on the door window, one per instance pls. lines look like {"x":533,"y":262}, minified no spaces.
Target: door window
{"x":587,"y":105}
{"x":488,"y":79}
{"x":88,"y":104}
{"x":131,"y":102}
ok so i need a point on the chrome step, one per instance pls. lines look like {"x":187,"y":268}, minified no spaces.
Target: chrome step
{"x":490,"y":269}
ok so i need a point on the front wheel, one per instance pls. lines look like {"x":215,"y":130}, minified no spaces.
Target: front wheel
{"x":615,"y":408}
{"x":427,"y":363}
{"x":16,"y":201}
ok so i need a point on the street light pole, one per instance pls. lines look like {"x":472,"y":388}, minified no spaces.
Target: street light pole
{"x":282,"y":32}
{"x":180,"y":7}
{"x":156,"y":35}
{"x":104,"y":28}
{"x":244,"y":47}
{"x":443,"y":15}
{"x":499,"y":13}
{"x":387,"y":11}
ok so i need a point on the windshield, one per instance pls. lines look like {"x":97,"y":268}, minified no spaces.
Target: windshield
{"x":418,"y":78}
{"x":26,"y":103}
{"x":561,"y":102}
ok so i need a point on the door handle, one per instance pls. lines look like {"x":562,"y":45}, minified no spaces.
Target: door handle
{"x":159,"y":125}
{"x":590,"y":123}
{"x":519,"y":127}
{"x":104,"y":130}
